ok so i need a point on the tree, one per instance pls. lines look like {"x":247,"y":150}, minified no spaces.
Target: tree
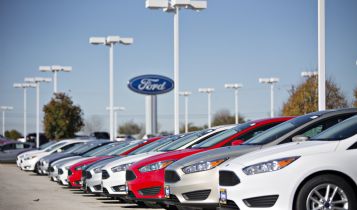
{"x":94,"y":123}
{"x":224,"y":117}
{"x":13,"y":134}
{"x":62,"y":118}
{"x":355,"y":94}
{"x":304,"y":98}
{"x":130,"y":128}
{"x":191,"y":127}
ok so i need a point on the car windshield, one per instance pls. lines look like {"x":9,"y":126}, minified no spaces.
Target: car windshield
{"x":125,"y":148}
{"x":86,"y":148}
{"x":279,"y":130}
{"x":44,"y":146}
{"x":154,"y":146}
{"x":97,"y":150}
{"x":185,"y":140}
{"x":222,"y":136}
{"x":340,"y":131}
{"x":74,"y":148}
{"x":55,"y":146}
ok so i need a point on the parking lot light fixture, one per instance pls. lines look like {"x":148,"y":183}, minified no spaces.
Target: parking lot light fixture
{"x":186,"y":94}
{"x":235,"y":87}
{"x":110,"y":41}
{"x":4,"y":109}
{"x":174,"y":7}
{"x":37,"y":81}
{"x":24,"y":86}
{"x":55,"y":69}
{"x":209,"y":92}
{"x":270,"y":81}
{"x":308,"y":74}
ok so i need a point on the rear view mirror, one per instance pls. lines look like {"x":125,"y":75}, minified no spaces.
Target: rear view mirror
{"x":237,"y":142}
{"x":300,"y":138}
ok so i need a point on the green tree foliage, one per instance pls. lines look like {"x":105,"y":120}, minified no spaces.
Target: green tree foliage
{"x":224,"y":117}
{"x":304,"y":98}
{"x":13,"y":134}
{"x":191,"y":127}
{"x":62,"y":118}
{"x":355,"y":94}
{"x":130,"y":128}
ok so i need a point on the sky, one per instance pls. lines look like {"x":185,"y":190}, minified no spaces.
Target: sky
{"x":232,"y":41}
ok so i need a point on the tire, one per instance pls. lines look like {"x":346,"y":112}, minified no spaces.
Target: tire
{"x":320,"y":184}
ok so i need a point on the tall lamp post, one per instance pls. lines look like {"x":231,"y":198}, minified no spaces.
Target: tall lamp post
{"x":110,"y":41}
{"x":55,"y":69}
{"x":236,"y":88}
{"x":186,"y":94}
{"x":37,"y":81}
{"x":174,"y":6}
{"x":270,"y":81}
{"x":116,"y":110}
{"x":4,"y":109}
{"x":25,"y":86}
{"x":321,"y":56}
{"x":209,"y":92}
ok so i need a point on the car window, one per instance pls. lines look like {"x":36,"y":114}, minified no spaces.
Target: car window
{"x":19,"y":146}
{"x":8,"y":147}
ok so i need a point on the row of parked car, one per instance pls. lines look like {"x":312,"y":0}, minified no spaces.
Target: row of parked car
{"x":300,"y":163}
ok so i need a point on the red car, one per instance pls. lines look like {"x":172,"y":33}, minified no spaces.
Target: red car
{"x":145,"y":179}
{"x":75,"y":171}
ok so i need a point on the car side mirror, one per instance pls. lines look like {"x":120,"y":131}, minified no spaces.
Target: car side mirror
{"x":300,"y":138}
{"x":237,"y":142}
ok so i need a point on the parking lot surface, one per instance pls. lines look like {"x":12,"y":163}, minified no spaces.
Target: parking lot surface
{"x":26,"y":191}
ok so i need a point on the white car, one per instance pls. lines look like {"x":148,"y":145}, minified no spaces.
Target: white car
{"x":42,"y":148}
{"x":113,"y":174}
{"x":29,"y":161}
{"x":304,"y":175}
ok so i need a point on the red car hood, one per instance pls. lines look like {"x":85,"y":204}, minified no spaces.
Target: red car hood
{"x":172,"y":155}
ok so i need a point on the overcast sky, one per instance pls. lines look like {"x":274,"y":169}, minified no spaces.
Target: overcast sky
{"x":230,"y":41}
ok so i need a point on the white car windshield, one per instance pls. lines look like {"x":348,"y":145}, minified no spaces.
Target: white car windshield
{"x":55,"y":146}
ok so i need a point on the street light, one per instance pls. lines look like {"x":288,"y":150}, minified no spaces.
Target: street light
{"x":208,"y":91}
{"x":116,"y":110}
{"x":110,"y":41}
{"x":309,"y":74}
{"x":174,"y":6}
{"x":4,"y":109}
{"x":186,"y":94}
{"x":235,"y":87}
{"x":55,"y":69}
{"x":37,"y":81}
{"x":25,"y":86}
{"x":271,"y":81}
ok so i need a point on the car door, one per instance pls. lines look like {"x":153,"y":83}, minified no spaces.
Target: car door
{"x":5,"y":153}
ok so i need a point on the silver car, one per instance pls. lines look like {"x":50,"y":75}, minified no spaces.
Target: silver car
{"x":193,"y":181}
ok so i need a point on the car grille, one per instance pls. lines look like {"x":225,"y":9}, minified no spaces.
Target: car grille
{"x":69,"y":172}
{"x":230,"y":205}
{"x":228,"y":178}
{"x":88,"y":175}
{"x":105,"y":174}
{"x":197,"y":195}
{"x":261,"y":202}
{"x":60,"y":171}
{"x":171,"y":177}
{"x":51,"y":169}
{"x":130,"y":175}
{"x":117,"y":188}
{"x":150,"y":191}
{"x":97,"y":187}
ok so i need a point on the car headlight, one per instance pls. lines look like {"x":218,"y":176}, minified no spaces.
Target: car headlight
{"x":98,"y":170}
{"x":155,"y":166}
{"x":203,"y":166}
{"x":122,"y":167}
{"x":30,"y":157}
{"x":269,"y":166}
{"x":79,"y":168}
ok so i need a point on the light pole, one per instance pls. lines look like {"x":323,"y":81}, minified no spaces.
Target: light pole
{"x":25,"y":86}
{"x":186,"y":94}
{"x":321,"y":55}
{"x":174,"y":6}
{"x":235,"y":87}
{"x":116,"y":110}
{"x":209,"y":92}
{"x":271,"y":81}
{"x":55,"y":69}
{"x":37,"y":81}
{"x":110,"y":41}
{"x":4,"y":109}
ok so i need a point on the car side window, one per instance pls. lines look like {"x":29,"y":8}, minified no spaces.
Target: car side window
{"x":8,"y":147}
{"x":19,"y":146}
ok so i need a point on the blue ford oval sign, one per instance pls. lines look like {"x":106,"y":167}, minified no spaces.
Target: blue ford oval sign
{"x":151,"y":84}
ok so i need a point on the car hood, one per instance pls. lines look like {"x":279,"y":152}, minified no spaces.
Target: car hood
{"x":102,"y":163}
{"x":223,"y":152}
{"x":287,"y":150}
{"x":131,"y":159}
{"x":89,"y":160}
{"x":60,"y":162}
{"x":56,"y":156}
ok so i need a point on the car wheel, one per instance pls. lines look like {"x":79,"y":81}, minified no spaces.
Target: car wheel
{"x":326,"y":192}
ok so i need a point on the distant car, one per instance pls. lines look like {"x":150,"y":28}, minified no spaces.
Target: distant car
{"x":10,"y":149}
{"x":100,"y":135}
{"x":124,"y":138}
{"x":31,"y":137}
{"x":303,"y":175}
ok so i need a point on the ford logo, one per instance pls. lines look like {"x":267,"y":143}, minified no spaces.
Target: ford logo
{"x":151,"y":84}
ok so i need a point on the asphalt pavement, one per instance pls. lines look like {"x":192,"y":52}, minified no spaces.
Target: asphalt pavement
{"x":22,"y":190}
